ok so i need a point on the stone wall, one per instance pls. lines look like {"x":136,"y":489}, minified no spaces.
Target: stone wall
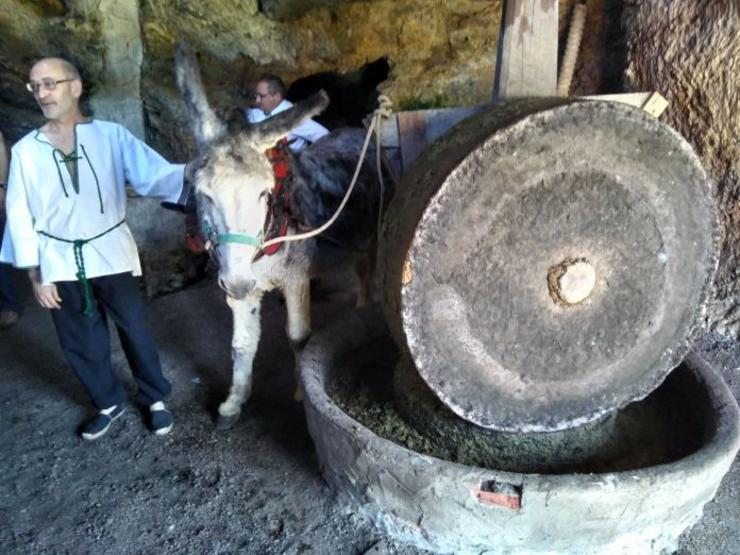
{"x":689,"y":50}
{"x":30,"y":29}
{"x":441,"y":53}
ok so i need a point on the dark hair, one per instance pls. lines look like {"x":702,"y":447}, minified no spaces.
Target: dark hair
{"x":274,"y":84}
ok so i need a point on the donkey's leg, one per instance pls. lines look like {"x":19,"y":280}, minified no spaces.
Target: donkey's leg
{"x":298,"y":302}
{"x":244,"y":342}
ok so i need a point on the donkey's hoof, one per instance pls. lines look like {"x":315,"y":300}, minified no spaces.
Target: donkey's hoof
{"x":226,"y":422}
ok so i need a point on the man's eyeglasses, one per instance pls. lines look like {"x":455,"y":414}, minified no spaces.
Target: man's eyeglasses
{"x":47,"y":83}
{"x":260,"y":96}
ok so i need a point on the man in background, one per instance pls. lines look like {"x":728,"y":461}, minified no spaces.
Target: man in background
{"x":270,"y":99}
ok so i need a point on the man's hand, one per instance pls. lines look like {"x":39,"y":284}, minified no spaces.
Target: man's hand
{"x":46,"y":295}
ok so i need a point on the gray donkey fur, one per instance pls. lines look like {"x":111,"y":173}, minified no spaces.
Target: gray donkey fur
{"x":230,"y":176}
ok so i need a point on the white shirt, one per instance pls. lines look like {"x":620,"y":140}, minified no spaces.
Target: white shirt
{"x":308,"y":132}
{"x":41,"y":198}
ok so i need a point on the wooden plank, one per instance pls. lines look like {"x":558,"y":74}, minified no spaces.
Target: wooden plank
{"x":412,"y":132}
{"x":527,"y":57}
{"x":633,"y":99}
{"x":438,"y":121}
{"x":389,"y":131}
{"x":392,"y":163}
{"x":655,"y":105}
{"x":651,"y":102}
{"x":405,"y":134}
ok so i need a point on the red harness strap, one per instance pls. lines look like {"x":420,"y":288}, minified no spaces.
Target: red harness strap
{"x":279,"y":214}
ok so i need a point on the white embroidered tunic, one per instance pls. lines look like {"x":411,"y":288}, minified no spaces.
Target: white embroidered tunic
{"x":46,"y":205}
{"x":309,"y":131}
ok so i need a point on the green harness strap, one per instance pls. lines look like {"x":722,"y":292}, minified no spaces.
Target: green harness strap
{"x":215,"y":237}
{"x":242,"y":238}
{"x":80,"y":262}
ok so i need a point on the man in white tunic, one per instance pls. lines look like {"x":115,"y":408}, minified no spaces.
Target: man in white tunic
{"x":66,"y":208}
{"x":270,"y":100}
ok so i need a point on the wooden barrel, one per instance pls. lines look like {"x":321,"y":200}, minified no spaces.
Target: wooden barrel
{"x":547,"y":261}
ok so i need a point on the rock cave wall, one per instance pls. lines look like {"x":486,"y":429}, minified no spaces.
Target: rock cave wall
{"x":689,"y":50}
{"x":440,"y":53}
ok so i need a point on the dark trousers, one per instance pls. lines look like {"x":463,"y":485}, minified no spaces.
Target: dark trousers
{"x":86,"y":343}
{"x":8,"y":296}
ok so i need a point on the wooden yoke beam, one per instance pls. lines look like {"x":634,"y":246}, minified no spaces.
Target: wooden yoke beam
{"x":527,"y":56}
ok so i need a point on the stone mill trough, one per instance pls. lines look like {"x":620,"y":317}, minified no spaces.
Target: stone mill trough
{"x":528,"y":385}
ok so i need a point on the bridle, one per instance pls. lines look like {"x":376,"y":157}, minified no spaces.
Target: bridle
{"x":214,"y":238}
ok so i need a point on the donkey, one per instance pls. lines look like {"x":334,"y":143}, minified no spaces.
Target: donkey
{"x":233,"y":178}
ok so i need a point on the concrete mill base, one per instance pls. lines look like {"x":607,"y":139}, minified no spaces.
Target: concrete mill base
{"x":449,"y":507}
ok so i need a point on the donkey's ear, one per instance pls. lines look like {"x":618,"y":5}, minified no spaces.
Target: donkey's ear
{"x":204,"y":122}
{"x":265,"y":134}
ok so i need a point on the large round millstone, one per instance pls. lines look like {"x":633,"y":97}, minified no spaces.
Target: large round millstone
{"x":639,"y":500}
{"x":547,"y":261}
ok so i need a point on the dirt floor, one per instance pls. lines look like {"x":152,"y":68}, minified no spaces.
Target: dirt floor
{"x":253,"y":489}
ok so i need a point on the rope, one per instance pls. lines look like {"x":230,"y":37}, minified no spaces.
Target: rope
{"x":570,"y":57}
{"x":382,"y":111}
{"x":80,"y":263}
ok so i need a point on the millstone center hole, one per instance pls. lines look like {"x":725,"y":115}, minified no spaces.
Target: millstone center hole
{"x":571,"y":282}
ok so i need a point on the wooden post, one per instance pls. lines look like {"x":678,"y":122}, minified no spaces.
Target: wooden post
{"x":412,"y":127}
{"x":527,"y":57}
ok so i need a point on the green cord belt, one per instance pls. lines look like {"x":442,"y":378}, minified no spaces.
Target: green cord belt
{"x":80,"y":262}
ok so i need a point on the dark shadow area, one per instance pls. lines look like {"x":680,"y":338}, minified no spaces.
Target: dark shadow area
{"x":673,"y":422}
{"x":602,"y":57}
{"x":31,"y":356}
{"x":615,"y":48}
{"x":353,"y":95}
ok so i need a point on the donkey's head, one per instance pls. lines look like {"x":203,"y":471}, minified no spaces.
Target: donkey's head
{"x":232,"y":175}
